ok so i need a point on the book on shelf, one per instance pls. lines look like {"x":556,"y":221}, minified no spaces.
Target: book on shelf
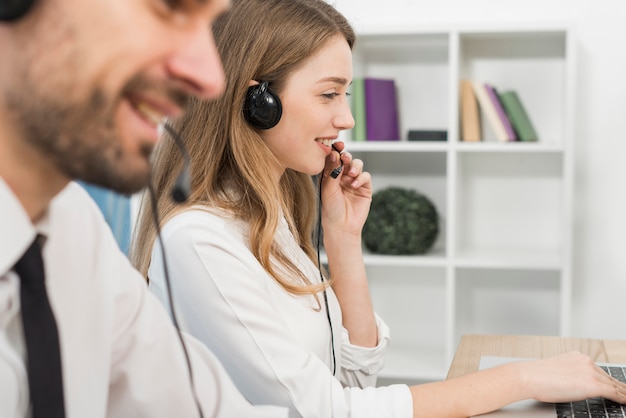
{"x":489,"y":111}
{"x":359,"y":132}
{"x":495,"y":100}
{"x":518,"y":116}
{"x":428,"y":135}
{"x":381,"y":110}
{"x":470,"y":118}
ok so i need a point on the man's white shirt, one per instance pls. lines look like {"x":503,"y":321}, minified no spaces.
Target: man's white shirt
{"x":120,"y":353}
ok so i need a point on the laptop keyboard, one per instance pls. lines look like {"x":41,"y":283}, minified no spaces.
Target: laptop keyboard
{"x":595,"y":407}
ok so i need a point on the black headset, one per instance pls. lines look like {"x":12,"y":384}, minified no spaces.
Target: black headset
{"x":262,"y":108}
{"x":12,"y":10}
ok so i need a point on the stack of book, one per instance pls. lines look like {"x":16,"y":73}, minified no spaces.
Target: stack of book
{"x":503,"y":112}
{"x":375,"y":110}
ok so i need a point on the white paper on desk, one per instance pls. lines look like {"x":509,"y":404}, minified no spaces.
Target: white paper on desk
{"x":487,"y":362}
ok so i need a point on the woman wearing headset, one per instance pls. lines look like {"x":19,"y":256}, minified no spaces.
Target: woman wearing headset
{"x":243,"y":264}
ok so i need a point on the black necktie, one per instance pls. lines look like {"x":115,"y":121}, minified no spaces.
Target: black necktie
{"x":45,"y":380}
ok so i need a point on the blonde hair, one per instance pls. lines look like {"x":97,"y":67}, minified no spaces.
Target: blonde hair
{"x":257,"y":40}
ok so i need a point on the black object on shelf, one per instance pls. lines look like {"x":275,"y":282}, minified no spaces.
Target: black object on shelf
{"x":428,"y":135}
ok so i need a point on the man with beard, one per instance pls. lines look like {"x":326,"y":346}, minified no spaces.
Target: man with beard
{"x":82,"y":87}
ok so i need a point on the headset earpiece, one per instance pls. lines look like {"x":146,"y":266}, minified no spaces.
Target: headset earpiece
{"x":262,"y":108}
{"x":12,"y":10}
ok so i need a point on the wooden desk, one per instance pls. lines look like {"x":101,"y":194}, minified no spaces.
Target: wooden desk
{"x":472,"y":347}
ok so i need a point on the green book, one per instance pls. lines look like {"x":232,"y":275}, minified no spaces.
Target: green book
{"x":517,"y":115}
{"x":359,"y":132}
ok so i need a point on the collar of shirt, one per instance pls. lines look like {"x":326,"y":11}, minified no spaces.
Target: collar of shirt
{"x":18,"y":232}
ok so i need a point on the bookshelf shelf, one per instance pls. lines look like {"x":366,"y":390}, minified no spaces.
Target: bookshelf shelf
{"x":521,"y":147}
{"x":397,"y":146}
{"x":433,"y":259}
{"x":502,"y":261}
{"x":511,"y":259}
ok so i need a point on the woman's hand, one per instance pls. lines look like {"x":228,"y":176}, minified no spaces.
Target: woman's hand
{"x":571,"y":376}
{"x":346,"y":199}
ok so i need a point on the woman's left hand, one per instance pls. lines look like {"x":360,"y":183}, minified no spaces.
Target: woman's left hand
{"x":346,"y":199}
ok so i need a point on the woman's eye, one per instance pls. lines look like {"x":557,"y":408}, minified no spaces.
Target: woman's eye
{"x":172,"y":4}
{"x":330,"y":95}
{"x":178,"y":5}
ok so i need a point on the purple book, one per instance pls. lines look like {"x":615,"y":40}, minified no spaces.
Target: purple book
{"x":493,"y":95}
{"x":381,"y":110}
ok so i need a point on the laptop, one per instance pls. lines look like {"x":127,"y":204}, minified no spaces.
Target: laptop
{"x":588,"y":408}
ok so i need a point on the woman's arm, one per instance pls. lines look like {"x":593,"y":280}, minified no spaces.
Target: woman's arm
{"x":568,"y":377}
{"x":345,"y":206}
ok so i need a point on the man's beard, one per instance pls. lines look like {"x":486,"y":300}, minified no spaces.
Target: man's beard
{"x":81,"y":138}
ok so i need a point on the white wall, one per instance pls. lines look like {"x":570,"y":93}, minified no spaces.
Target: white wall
{"x":599,"y":294}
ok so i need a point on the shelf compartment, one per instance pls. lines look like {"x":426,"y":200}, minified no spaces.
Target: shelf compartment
{"x":490,"y":301}
{"x":417,"y":346}
{"x":510,"y":202}
{"x":413,"y":364}
{"x":424,"y":172}
{"x":419,"y":65}
{"x":531,"y":63}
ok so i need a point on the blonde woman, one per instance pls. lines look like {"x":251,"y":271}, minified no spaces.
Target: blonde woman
{"x":243,"y":265}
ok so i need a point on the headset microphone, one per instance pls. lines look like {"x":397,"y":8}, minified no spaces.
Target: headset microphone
{"x":182,"y":186}
{"x":12,"y":10}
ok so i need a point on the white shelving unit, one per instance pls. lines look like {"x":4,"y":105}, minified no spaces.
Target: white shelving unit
{"x":502,"y":261}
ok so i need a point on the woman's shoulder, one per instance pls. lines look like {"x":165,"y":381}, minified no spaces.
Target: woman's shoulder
{"x":199,"y":221}
{"x":199,"y":214}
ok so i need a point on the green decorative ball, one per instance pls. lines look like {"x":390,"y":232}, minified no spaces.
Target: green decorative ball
{"x":401,"y":221}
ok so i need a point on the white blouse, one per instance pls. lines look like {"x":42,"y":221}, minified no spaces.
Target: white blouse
{"x":275,"y":346}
